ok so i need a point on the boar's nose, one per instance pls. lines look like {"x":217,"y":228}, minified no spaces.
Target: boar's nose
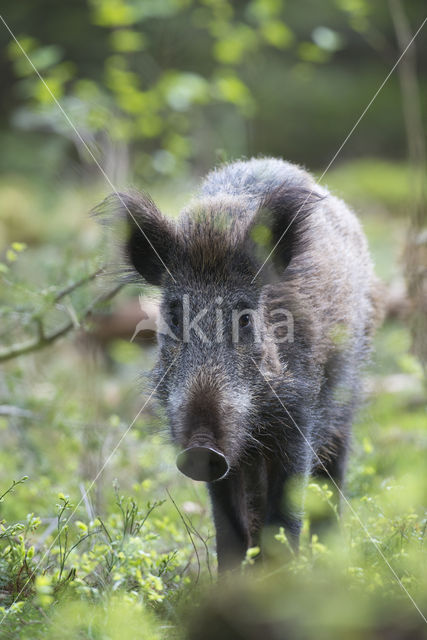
{"x":203,"y":463}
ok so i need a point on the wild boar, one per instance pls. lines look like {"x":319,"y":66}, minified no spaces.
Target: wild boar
{"x":269,"y":305}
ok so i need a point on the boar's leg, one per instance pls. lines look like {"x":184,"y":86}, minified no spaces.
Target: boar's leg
{"x":334,"y":466}
{"x":239,"y":505}
{"x":331,"y":471}
{"x":231,"y":530}
{"x":284,"y":508}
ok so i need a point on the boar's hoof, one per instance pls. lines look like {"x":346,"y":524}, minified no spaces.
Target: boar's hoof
{"x":203,"y":463}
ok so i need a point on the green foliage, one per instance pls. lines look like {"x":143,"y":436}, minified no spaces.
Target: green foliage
{"x":249,"y":78}
{"x":123,"y":559}
{"x":88,"y":550}
{"x":103,"y":539}
{"x":88,"y":570}
{"x":158,"y":107}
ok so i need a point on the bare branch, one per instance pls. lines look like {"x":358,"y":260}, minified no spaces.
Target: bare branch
{"x":79,"y":283}
{"x":44,"y":340}
{"x":15,"y":412}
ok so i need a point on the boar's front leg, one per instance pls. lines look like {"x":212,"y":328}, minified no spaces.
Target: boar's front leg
{"x":239,"y":504}
{"x":284,"y":509}
{"x":231,"y":530}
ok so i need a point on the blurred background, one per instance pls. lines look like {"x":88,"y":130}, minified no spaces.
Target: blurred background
{"x":99,"y":536}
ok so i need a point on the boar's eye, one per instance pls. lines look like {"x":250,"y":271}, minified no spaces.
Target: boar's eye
{"x":174,"y":314}
{"x":174,"y":319}
{"x":244,"y":320}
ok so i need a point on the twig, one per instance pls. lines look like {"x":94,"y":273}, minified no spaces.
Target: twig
{"x":15,"y":412}
{"x":14,"y":484}
{"x":44,"y":340}
{"x":204,"y":542}
{"x":187,"y":528}
{"x":75,"y":285}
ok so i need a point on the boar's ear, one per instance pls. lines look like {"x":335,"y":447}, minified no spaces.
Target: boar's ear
{"x":150,"y":236}
{"x":278,"y":230}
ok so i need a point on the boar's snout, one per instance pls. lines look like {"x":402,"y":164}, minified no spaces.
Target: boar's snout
{"x":204,"y":463}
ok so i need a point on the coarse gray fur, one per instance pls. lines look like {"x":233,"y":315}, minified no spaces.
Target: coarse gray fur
{"x":276,"y":409}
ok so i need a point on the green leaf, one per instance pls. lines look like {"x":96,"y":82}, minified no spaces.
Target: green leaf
{"x":19,"y":246}
{"x":238,"y":41}
{"x":112,"y":13}
{"x":310,"y":52}
{"x":185,"y":89}
{"x":126,"y":41}
{"x":230,"y":88}
{"x":262,"y":10}
{"x":11,"y":255}
{"x":261,"y":235}
{"x":277,"y":34}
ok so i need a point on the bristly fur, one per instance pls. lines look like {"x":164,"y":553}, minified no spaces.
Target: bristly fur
{"x":276,"y":408}
{"x":141,"y":233}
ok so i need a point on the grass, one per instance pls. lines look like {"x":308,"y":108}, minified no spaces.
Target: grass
{"x":132,"y":554}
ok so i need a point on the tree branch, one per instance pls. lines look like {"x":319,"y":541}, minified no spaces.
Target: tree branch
{"x":43,"y":339}
{"x":416,"y":249}
{"x":75,"y":285}
{"x":10,"y":411}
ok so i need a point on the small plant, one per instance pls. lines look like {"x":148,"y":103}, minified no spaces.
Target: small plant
{"x":91,"y":561}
